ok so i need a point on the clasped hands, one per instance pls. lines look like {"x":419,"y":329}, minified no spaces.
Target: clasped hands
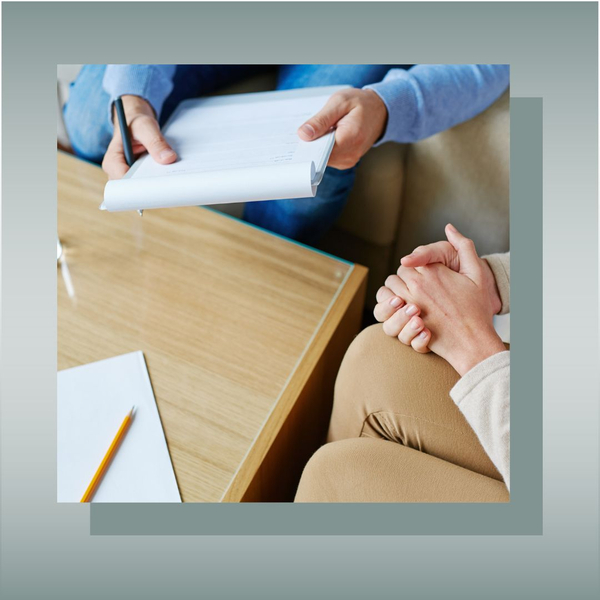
{"x":443,"y":299}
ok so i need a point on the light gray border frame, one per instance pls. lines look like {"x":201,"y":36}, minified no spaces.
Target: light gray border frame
{"x":552,"y":49}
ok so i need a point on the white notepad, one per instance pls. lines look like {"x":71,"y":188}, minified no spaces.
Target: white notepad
{"x":93,"y":400}
{"x":237,"y":148}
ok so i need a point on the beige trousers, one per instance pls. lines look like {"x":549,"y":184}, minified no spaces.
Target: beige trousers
{"x":396,"y":435}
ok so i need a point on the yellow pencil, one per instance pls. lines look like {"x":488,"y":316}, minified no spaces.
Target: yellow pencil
{"x":108,"y":457}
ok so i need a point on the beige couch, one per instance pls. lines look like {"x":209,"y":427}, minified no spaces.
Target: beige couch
{"x":405,"y":194}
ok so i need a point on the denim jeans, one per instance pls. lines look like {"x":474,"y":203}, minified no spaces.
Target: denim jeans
{"x":305,"y":220}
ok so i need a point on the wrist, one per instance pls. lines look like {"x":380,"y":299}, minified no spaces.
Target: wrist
{"x":381,"y":111}
{"x":476,"y":351}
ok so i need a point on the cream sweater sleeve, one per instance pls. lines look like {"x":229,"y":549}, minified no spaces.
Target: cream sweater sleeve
{"x":483,"y":397}
{"x":483,"y":394}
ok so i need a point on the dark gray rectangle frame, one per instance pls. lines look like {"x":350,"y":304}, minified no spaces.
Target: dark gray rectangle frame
{"x":522,"y":516}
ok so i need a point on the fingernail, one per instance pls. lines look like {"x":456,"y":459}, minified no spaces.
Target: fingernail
{"x":166,"y":154}
{"x":451,"y":227}
{"x":308,"y":130}
{"x":411,"y":310}
{"x":395,"y":301}
{"x":415,"y":324}
{"x":423,"y":334}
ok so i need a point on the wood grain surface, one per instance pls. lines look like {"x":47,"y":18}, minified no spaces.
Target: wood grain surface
{"x":231,"y":320}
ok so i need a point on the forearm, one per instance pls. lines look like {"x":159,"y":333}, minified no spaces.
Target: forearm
{"x":154,"y":83}
{"x":428,"y":99}
{"x":483,"y":397}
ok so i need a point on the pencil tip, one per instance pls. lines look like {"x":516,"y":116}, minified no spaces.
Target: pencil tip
{"x":132,"y":411}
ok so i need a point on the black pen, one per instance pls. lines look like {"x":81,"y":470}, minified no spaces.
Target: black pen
{"x":124,"y":132}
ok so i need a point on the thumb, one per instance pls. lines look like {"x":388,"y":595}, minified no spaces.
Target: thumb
{"x":470,"y":265}
{"x":146,"y":131}
{"x":438,"y":252}
{"x":325,"y":119}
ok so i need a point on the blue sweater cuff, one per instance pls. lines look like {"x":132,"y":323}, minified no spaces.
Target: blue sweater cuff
{"x":400,"y":99}
{"x":428,"y":99}
{"x":154,"y":83}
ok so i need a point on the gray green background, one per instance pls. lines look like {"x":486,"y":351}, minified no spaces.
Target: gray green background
{"x":550,"y":543}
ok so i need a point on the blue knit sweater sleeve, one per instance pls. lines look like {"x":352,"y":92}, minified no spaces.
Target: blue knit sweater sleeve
{"x":427,"y":99}
{"x":154,"y":83}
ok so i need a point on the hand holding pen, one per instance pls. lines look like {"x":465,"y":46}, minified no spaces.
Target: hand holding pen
{"x":143,"y":134}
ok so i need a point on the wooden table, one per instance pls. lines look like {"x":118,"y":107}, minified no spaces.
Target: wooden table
{"x":242,"y":331}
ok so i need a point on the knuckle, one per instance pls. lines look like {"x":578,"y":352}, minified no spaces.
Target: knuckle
{"x":319,"y":123}
{"x":410,"y":274}
{"x":387,"y":327}
{"x":144,"y":124}
{"x":405,"y":338}
{"x":141,"y":120}
{"x":107,"y":162}
{"x":433,"y":270}
{"x":381,"y":292}
{"x":156,"y":141}
{"x":336,"y":98}
{"x":390,"y":281}
{"x":416,"y":285}
{"x":344,"y":97}
{"x":391,"y":326}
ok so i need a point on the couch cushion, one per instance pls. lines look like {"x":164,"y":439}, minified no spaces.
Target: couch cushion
{"x":460,"y":176}
{"x":373,"y":209}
